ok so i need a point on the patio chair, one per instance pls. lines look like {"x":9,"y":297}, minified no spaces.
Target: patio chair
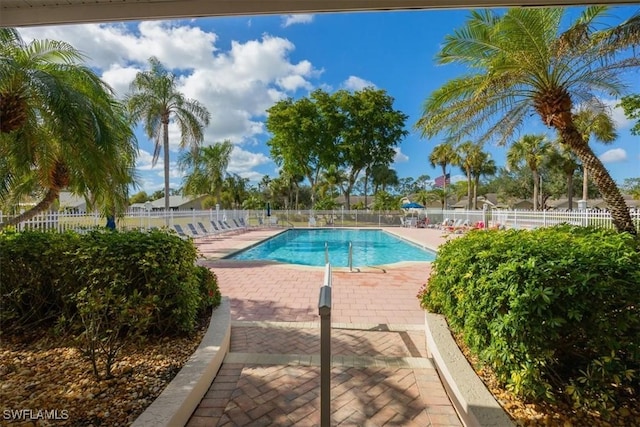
{"x":227,"y":228}
{"x":194,"y":231}
{"x":243,"y":223}
{"x":205,"y":231}
{"x":312,"y":221}
{"x":180,"y":231}
{"x":216,"y":228}
{"x":451,"y":228}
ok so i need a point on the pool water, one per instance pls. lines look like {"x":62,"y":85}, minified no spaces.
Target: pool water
{"x":306,"y":247}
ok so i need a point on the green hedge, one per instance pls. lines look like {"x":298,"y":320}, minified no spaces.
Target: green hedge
{"x":42,"y":273}
{"x":555,"y":312}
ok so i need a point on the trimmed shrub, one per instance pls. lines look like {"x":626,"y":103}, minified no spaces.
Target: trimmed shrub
{"x":42,"y":273}
{"x":554,"y":312}
{"x":35,"y":278}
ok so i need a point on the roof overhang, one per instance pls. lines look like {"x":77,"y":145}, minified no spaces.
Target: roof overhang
{"x":17,"y":13}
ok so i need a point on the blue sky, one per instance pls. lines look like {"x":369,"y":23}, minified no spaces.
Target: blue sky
{"x":238,"y":67}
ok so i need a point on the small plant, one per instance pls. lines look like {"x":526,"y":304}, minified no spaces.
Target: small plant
{"x":110,"y":320}
{"x":209,"y":290}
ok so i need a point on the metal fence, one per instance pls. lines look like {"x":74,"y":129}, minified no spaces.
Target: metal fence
{"x":142,"y":219}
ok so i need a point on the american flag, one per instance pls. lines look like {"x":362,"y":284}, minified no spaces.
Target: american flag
{"x":442,"y":180}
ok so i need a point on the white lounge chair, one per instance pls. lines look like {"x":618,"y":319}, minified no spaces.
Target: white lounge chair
{"x":312,"y":221}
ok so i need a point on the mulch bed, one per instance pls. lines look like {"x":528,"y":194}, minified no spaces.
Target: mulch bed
{"x":45,"y":380}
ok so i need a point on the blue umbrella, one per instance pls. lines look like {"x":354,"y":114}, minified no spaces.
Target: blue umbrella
{"x":412,"y":205}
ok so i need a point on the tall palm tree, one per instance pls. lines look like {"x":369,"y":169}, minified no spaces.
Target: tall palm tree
{"x":481,"y":165}
{"x":206,"y":169}
{"x":156,"y":101}
{"x":465,"y":155}
{"x":566,"y":162}
{"x":443,"y":155}
{"x":594,"y":120}
{"x":60,"y":128}
{"x":533,"y":150}
{"x":521,"y":64}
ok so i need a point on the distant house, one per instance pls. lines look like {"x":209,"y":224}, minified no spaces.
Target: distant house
{"x":179,"y":203}
{"x":561,"y":204}
{"x":71,"y":203}
{"x":490,"y":199}
{"x":602,"y":205}
{"x":137,"y":207}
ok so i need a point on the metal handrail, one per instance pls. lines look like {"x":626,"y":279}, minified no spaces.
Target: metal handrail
{"x":324,"y":309}
{"x":350,"y":256}
{"x":326,"y":252}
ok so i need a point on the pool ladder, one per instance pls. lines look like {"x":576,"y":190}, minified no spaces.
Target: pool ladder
{"x":350,"y":260}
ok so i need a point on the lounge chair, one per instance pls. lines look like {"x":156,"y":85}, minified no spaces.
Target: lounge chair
{"x":452,"y":228}
{"x":194,"y":231}
{"x":243,"y":223}
{"x":180,"y":231}
{"x":216,"y":228}
{"x":205,"y":231}
{"x":312,"y":221}
{"x":227,"y":228}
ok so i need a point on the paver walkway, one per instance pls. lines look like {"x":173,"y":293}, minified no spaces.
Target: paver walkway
{"x":271,"y":376}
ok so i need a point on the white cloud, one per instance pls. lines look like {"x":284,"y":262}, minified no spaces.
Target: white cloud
{"x":457,"y":178}
{"x":119,"y":78}
{"x":236,"y":84}
{"x":614,"y":155}
{"x":145,"y":159}
{"x":300,"y":18}
{"x":356,"y":83}
{"x":243,"y":160}
{"x":400,"y":157}
{"x":617,"y":114}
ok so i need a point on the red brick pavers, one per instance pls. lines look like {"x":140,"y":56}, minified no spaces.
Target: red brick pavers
{"x":380,"y":375}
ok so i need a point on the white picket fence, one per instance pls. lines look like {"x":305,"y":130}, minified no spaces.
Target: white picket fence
{"x":61,"y":221}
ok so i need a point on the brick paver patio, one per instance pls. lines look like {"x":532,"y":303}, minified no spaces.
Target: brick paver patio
{"x":271,"y":376}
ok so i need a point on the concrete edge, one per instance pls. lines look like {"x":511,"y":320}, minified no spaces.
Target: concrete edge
{"x":475,"y":405}
{"x":176,"y":403}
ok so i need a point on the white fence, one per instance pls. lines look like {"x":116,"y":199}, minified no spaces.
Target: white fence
{"x":61,"y":221}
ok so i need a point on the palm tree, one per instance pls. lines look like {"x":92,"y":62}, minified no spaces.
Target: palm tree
{"x":443,"y":155}
{"x":60,"y":127}
{"x":156,"y":101}
{"x":533,"y":150}
{"x":465,"y":155}
{"x":206,"y":169}
{"x":332,"y":181}
{"x":593,"y":120}
{"x":481,"y":165}
{"x":566,"y":162}
{"x":521,"y":64}
{"x":383,"y":176}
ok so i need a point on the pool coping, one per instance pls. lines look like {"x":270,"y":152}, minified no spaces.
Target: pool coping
{"x":180,"y":398}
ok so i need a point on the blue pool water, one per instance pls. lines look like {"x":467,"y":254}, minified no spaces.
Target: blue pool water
{"x":306,"y":247}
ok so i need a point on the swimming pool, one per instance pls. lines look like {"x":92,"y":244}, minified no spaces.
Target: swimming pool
{"x":306,"y":247}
